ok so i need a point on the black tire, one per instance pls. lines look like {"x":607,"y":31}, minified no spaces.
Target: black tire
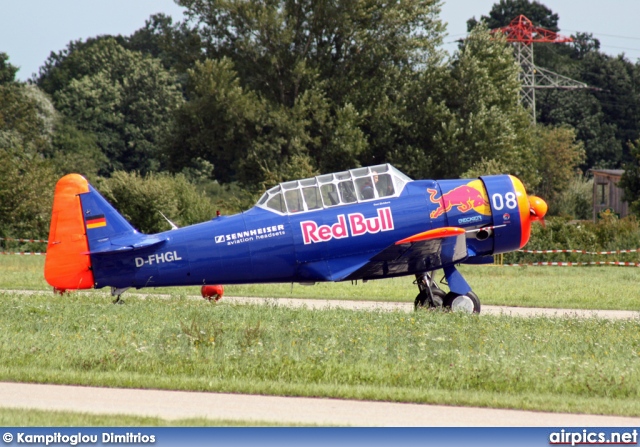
{"x":422,"y":299}
{"x":450,"y":297}
{"x":476,"y":302}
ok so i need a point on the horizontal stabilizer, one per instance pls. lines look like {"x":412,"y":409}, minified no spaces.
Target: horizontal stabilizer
{"x":122,"y":246}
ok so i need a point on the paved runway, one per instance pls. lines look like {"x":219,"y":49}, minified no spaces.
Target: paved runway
{"x":408,"y":307}
{"x":172,"y":405}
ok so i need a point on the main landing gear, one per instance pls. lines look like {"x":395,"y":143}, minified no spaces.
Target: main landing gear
{"x":432,"y":296}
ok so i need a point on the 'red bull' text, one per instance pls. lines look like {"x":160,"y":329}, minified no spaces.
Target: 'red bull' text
{"x":354,"y":224}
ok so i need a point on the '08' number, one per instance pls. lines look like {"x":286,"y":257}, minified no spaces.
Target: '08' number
{"x":509,"y":200}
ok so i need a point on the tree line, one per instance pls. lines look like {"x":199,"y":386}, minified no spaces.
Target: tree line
{"x":203,"y":114}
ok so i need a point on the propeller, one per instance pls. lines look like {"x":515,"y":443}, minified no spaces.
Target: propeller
{"x":537,"y":209}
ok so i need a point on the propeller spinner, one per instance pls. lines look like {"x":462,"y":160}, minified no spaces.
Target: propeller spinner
{"x":537,"y":209}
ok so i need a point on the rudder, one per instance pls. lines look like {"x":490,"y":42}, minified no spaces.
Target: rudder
{"x":68,"y":264}
{"x":83,"y":223}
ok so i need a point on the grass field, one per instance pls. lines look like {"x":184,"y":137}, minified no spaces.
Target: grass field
{"x":551,"y":364}
{"x":547,"y":364}
{"x":557,"y":287}
{"x":11,"y":417}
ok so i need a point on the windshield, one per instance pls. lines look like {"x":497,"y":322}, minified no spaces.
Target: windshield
{"x":340,"y":188}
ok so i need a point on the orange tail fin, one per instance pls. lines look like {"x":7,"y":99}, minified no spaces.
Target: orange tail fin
{"x":68,"y":265}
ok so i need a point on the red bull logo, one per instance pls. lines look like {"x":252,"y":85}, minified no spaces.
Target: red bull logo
{"x":471,"y":196}
{"x":357,"y":226}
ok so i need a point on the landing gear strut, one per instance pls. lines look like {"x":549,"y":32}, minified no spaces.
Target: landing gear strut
{"x":430,"y":295}
{"x":117,"y":292}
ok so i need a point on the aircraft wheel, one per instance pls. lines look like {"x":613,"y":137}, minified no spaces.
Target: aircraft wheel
{"x":469,"y":302}
{"x":422,"y":299}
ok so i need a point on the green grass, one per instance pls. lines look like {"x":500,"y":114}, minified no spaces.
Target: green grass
{"x":22,"y":272}
{"x":11,"y":417}
{"x":556,"y":287}
{"x":547,"y":364}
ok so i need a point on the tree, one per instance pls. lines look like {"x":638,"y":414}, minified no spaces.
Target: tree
{"x":582,"y":111}
{"x":26,"y":191}
{"x":328,"y":81}
{"x":177,"y":45}
{"x":558,"y":156}
{"x":27,"y":116}
{"x":75,"y":151}
{"x":584,"y":44}
{"x":296,"y":87}
{"x":281,"y":48}
{"x":489,"y":121}
{"x":606,"y":116}
{"x":630,"y":181}
{"x":243,"y":136}
{"x":7,"y":71}
{"x":70,"y":63}
{"x":26,"y":177}
{"x":615,"y":81}
{"x":505,"y":11}
{"x":551,"y":56}
{"x":122,"y":97}
{"x":216,"y":124}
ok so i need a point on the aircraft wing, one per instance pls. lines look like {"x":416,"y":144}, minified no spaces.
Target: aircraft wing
{"x":421,"y":252}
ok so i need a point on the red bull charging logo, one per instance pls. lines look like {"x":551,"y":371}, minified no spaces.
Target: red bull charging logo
{"x":472,"y":196}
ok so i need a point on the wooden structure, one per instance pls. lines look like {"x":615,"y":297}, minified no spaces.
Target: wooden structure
{"x":607,"y":195}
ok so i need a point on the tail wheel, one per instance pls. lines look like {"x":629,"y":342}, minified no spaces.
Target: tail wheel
{"x":212,"y":292}
{"x":422,"y":300}
{"x":469,"y":302}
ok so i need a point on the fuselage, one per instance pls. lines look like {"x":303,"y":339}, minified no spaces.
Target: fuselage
{"x":324,"y":244}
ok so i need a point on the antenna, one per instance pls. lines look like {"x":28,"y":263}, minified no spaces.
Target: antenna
{"x":173,"y":226}
{"x":523,"y":34}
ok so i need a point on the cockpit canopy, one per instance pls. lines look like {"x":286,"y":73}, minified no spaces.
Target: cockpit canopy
{"x":329,"y":190}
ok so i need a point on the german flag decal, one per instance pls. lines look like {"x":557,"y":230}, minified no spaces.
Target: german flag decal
{"x":96,"y":221}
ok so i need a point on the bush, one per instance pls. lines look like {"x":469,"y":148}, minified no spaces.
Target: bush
{"x":608,"y":234}
{"x":143,"y":200}
{"x":26,"y":194}
{"x":575,"y":201}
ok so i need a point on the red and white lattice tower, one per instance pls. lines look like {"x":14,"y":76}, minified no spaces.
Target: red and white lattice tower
{"x":523,"y":34}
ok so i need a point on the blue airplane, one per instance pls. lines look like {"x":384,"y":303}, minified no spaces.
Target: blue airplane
{"x":362,"y":224}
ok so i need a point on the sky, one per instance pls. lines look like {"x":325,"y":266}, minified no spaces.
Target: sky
{"x":32,"y":29}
